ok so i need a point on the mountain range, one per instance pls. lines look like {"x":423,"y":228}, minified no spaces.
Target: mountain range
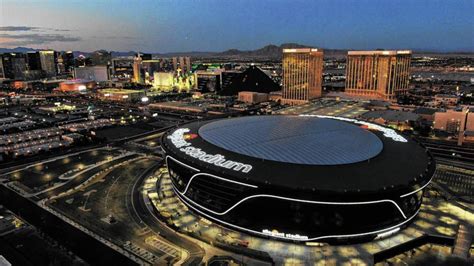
{"x":270,"y":51}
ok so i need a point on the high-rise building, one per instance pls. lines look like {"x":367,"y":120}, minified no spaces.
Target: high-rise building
{"x":2,"y":73}
{"x":149,"y":67}
{"x":208,"y":80}
{"x":137,"y":69}
{"x":33,"y":61}
{"x":101,"y":58}
{"x":187,"y":64}
{"x":49,"y":60}
{"x":143,"y":67}
{"x":95,"y":73}
{"x":175,"y":63}
{"x":302,"y":75}
{"x":378,"y":74}
{"x":163,"y":80}
{"x":14,"y":65}
{"x":122,"y":68}
{"x":145,"y":56}
{"x":60,"y":65}
{"x":182,"y":63}
{"x":67,"y":61}
{"x":33,"y":66}
{"x":82,"y":61}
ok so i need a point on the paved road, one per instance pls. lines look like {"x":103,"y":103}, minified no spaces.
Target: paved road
{"x":78,"y":180}
{"x":149,"y":218}
{"x":109,"y":195}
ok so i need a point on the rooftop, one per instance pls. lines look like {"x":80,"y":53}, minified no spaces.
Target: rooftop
{"x":379,"y":52}
{"x":302,"y":50}
{"x":252,"y":79}
{"x":77,"y":81}
{"x":391,"y":115}
{"x":326,"y":156}
{"x":425,"y":111}
{"x":120,"y":91}
{"x":308,"y":141}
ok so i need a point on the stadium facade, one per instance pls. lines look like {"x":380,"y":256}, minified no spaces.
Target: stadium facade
{"x":299,"y":178}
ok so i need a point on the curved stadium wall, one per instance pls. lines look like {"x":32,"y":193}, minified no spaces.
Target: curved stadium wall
{"x":242,"y":173}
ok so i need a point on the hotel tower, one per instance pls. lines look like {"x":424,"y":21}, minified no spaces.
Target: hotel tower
{"x":302,"y":75}
{"x":378,"y":74}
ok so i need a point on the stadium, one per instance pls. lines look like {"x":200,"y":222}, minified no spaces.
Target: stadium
{"x":299,"y":178}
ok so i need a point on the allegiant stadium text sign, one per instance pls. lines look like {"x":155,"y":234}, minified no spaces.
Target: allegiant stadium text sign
{"x":284,"y":235}
{"x":179,"y":141}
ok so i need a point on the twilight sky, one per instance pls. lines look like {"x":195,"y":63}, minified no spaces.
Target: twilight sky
{"x":217,"y":25}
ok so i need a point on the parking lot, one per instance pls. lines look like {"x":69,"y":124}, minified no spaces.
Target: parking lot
{"x":457,"y":181}
{"x":106,"y":207}
{"x":349,"y":109}
{"x":42,"y":175}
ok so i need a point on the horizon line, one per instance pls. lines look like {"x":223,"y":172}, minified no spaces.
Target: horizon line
{"x":414,"y":50}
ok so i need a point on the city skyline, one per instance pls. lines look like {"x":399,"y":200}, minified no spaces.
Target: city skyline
{"x":165,"y":26}
{"x":247,"y":132}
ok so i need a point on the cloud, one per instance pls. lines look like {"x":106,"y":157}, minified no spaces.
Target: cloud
{"x":17,"y":28}
{"x":28,"y":28}
{"x":114,"y":37}
{"x":34,"y":38}
{"x":28,"y":35}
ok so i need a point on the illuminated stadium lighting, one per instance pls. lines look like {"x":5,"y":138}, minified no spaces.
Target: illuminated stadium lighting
{"x":388,"y":233}
{"x":309,"y":239}
{"x":179,"y":141}
{"x":311,"y":177}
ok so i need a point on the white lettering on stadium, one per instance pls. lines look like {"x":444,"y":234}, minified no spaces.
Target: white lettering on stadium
{"x":284,"y":235}
{"x":178,"y":140}
{"x":387,"y":132}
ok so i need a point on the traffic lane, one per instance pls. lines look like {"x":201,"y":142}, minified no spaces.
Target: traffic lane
{"x":83,"y":177}
{"x":196,"y":252}
{"x":93,"y":209}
